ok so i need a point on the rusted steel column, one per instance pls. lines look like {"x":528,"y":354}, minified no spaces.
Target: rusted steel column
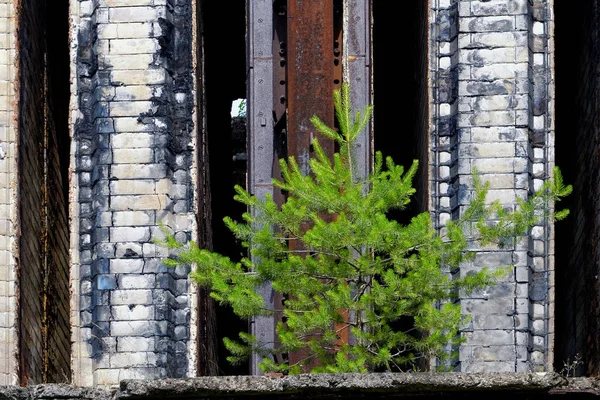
{"x":310,"y":74}
{"x":310,"y":78}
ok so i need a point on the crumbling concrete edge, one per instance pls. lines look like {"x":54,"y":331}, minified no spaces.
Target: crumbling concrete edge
{"x":319,"y":385}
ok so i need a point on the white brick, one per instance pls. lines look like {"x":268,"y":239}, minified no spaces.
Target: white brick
{"x":503,"y":196}
{"x":134,"y":46}
{"x":487,"y":24}
{"x":139,"y":202}
{"x":7,"y":288}
{"x":133,"y":156}
{"x":135,"y":30}
{"x":7,"y":318}
{"x":107,"y":31}
{"x":86,"y":8}
{"x":138,"y":328}
{"x":132,"y":281}
{"x":137,"y":77}
{"x":491,"y":150}
{"x":501,"y":39}
{"x":133,"y":140}
{"x":137,"y":359}
{"x":129,"y":344}
{"x":107,"y":377}
{"x":127,"y":234}
{"x":122,"y":187}
{"x":126,"y":266}
{"x":138,"y":373}
{"x":131,"y":108}
{"x":132,"y":218}
{"x":131,"y":124}
{"x":490,"y":118}
{"x":138,"y":312}
{"x":500,"y":71}
{"x":128,"y":297}
{"x":145,"y":171}
{"x":493,"y":165}
{"x":500,"y":102}
{"x":481,"y":57}
{"x":126,"y":61}
{"x":128,"y":3}
{"x":123,"y":249}
{"x":102,"y":46}
{"x":8,"y":305}
{"x":497,"y":134}
{"x":134,"y":14}
{"x":499,"y":7}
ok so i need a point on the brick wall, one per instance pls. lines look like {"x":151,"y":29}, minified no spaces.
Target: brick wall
{"x":8,"y":283}
{"x":489,"y":65}
{"x":131,"y":112}
{"x":133,"y":156}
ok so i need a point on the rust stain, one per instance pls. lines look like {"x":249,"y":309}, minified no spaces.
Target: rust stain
{"x":314,"y":70}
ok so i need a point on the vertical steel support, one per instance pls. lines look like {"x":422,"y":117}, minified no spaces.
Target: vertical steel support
{"x":310,"y":77}
{"x":299,"y":51}
{"x":357,"y":72}
{"x":260,"y":135}
{"x":310,"y":74}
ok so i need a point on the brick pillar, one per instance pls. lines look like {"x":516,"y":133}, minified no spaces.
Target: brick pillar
{"x":8,"y":167}
{"x":134,"y":163}
{"x":490,"y":96}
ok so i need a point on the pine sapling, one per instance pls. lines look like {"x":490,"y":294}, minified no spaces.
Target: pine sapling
{"x":342,"y":264}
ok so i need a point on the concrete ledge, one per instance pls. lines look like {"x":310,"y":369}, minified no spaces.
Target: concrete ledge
{"x":327,"y":386}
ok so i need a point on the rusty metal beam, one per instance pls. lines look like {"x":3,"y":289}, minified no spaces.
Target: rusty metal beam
{"x":296,"y":77}
{"x":310,"y":74}
{"x":310,"y":80}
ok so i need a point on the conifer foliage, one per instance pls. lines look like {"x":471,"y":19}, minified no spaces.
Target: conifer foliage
{"x":343,"y":265}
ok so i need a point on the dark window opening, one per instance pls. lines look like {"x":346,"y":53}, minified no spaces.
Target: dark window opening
{"x":400,"y":119}
{"x":44,"y":142}
{"x":577,"y":314}
{"x":222,"y":30}
{"x":400,"y":125}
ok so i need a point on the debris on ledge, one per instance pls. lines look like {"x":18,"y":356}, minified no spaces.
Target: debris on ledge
{"x":328,"y":386}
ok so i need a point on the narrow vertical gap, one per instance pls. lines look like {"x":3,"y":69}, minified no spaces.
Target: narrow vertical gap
{"x":55,"y":160}
{"x":224,"y":58}
{"x":44,"y":222}
{"x":400,"y":121}
{"x":44,"y":296}
{"x":400,"y":126}
{"x":207,"y":362}
{"x":32,"y":124}
{"x":577,"y":90}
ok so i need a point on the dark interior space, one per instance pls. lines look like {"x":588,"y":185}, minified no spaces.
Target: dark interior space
{"x":58,"y":71}
{"x":224,"y":59}
{"x":57,"y":188}
{"x":44,"y":68}
{"x":577,"y":125}
{"x":400,"y":89}
{"x":400,"y":115}
{"x":401,"y":101}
